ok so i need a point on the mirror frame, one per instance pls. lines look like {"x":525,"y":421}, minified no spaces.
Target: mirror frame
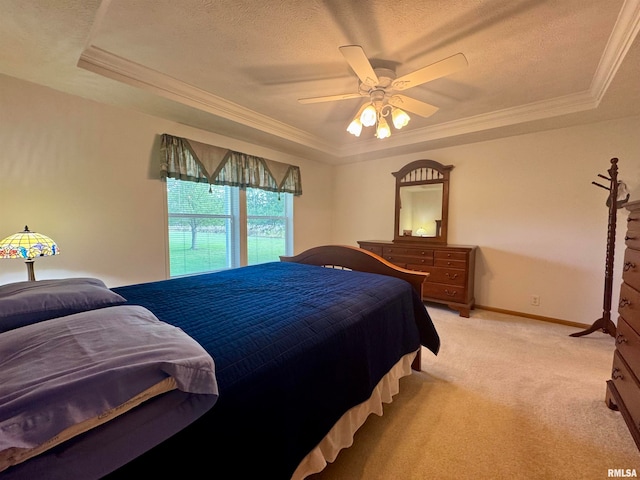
{"x":423,"y":172}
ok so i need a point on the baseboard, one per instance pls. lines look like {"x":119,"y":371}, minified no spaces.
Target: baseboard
{"x":535,"y":317}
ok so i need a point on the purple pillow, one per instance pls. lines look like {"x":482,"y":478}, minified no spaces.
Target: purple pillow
{"x":24,"y":303}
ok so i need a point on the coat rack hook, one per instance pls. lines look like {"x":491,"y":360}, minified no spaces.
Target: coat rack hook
{"x":601,"y":186}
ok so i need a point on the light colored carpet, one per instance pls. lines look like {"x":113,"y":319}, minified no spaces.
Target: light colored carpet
{"x":506,"y":398}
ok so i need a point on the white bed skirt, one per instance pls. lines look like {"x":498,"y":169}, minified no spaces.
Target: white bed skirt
{"x":341,"y":435}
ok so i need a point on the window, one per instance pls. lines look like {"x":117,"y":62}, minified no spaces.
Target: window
{"x":269,"y":225}
{"x":214,"y":227}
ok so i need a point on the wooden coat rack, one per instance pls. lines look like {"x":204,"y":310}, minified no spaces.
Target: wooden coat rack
{"x":604,"y":323}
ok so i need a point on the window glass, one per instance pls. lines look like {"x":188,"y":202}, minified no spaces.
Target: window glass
{"x":268,"y":225}
{"x":201,"y":227}
{"x":207,"y":225}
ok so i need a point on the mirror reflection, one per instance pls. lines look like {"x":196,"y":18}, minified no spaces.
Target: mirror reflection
{"x":420,"y":210}
{"x":422,"y":202}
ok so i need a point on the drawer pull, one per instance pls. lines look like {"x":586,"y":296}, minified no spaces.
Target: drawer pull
{"x":624,"y":302}
{"x":617,"y":374}
{"x":627,"y":237}
{"x":628,"y":266}
{"x":620,"y":339}
{"x":451,"y":277}
{"x":451,"y":294}
{"x":630,"y":219}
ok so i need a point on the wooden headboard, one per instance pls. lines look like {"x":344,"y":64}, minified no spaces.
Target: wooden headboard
{"x":353,"y":258}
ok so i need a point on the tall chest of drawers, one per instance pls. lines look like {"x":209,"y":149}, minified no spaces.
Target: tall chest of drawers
{"x":623,"y":390}
{"x":451,"y":269}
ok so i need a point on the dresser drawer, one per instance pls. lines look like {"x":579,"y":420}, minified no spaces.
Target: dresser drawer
{"x":451,"y":293}
{"x":404,"y":260}
{"x":451,"y":276}
{"x":628,"y":344}
{"x":632,"y":237}
{"x":631,"y":268}
{"x":629,"y":306}
{"x":419,"y":267}
{"x":442,"y":262}
{"x":627,"y":385}
{"x":408,"y":257}
{"x":377,"y":249}
{"x":450,"y":255}
{"x":408,"y":251}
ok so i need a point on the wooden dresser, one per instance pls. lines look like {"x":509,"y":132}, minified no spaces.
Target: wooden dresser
{"x":623,"y":390}
{"x":451,"y":269}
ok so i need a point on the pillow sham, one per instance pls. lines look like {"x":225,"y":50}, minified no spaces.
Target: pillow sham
{"x":24,"y":303}
{"x":62,"y":378}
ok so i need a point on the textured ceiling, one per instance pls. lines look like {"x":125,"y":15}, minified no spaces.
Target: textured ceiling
{"x":238,"y":67}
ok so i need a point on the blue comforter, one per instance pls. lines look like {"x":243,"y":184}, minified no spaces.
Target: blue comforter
{"x":295,"y":346}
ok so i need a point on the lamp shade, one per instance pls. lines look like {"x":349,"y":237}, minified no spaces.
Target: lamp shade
{"x":369,"y":116}
{"x":355,"y":127}
{"x":28,"y":245}
{"x":383,"y":130}
{"x":400,"y":118}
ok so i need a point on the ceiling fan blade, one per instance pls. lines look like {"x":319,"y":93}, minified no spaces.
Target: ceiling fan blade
{"x":439,"y":69}
{"x":329,"y":98}
{"x":412,"y":105}
{"x":358,"y":61}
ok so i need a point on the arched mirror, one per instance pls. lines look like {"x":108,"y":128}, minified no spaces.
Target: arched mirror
{"x":422,"y":202}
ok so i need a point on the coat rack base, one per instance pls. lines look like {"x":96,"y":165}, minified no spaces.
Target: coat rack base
{"x":604,"y":324}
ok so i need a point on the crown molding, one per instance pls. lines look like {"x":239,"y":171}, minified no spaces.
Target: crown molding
{"x":500,"y":118}
{"x":112,"y":66}
{"x":622,"y":37}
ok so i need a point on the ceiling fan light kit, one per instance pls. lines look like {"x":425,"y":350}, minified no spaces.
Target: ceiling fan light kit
{"x":379,"y":84}
{"x":371,"y":114}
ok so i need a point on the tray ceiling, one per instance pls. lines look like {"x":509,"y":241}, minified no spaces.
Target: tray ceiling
{"x":238,"y":67}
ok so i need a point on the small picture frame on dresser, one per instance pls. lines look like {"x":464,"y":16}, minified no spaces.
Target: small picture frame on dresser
{"x":407,"y":233}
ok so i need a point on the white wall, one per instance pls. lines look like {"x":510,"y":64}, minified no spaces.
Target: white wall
{"x":527,"y":202}
{"x":87,"y":175}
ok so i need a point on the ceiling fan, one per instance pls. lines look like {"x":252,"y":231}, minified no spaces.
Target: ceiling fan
{"x":380,"y":86}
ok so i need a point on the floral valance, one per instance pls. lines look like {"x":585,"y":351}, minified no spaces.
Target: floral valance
{"x":186,"y":159}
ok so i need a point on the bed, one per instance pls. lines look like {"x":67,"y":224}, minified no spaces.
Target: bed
{"x":289,"y":357}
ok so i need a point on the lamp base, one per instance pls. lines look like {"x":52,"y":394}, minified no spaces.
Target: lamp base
{"x":30,"y":272}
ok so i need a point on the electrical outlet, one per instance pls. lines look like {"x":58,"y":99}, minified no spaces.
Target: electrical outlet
{"x":535,"y":300}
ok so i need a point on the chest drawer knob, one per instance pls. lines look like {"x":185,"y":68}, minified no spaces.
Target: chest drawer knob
{"x":450,"y":293}
{"x":620,"y":339}
{"x":450,"y":276}
{"x":628,"y":266}
{"x":624,"y":302}
{"x":617,"y":374}
{"x":627,"y":237}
